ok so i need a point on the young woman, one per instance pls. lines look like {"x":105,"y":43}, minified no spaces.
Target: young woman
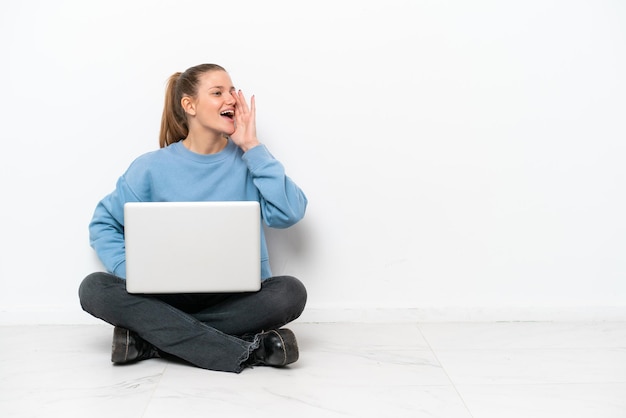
{"x":209,"y":151}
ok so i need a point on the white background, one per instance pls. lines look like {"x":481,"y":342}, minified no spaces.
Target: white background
{"x":460,"y":157}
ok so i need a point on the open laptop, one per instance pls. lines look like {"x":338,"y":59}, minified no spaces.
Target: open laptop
{"x":192,"y":247}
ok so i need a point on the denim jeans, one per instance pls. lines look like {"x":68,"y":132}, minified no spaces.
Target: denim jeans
{"x":211,"y":331}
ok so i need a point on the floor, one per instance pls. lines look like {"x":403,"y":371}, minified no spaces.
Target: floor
{"x":479,"y":370}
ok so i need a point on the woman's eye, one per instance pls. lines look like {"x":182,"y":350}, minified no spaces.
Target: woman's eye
{"x":217,"y":93}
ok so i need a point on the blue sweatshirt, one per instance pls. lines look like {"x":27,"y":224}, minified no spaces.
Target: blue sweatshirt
{"x":175,"y":174}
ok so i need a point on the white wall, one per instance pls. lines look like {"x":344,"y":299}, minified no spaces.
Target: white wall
{"x":462,"y":159}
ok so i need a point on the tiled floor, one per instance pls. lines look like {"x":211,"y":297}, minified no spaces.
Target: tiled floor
{"x":449,"y":370}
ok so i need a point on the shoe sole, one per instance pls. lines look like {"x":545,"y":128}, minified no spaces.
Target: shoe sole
{"x":290,"y":345}
{"x":119,"y":348}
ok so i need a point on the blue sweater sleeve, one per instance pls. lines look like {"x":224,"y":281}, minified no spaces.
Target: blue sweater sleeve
{"x":283,"y":203}
{"x":106,"y":229}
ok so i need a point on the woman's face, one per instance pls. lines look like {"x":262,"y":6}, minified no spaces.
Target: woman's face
{"x":213,"y":108}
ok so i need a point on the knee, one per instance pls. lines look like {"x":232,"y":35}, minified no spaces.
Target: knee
{"x":91,"y":287}
{"x":295,"y":293}
{"x":299,"y":291}
{"x":88,"y":285}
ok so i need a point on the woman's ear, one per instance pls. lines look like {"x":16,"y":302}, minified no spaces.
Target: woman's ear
{"x":188,"y":105}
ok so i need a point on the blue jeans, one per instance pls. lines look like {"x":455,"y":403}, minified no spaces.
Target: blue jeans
{"x":212,"y":331}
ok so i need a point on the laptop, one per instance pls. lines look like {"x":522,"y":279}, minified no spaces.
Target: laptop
{"x":192,"y":247}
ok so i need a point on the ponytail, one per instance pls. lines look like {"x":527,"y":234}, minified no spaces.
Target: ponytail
{"x":173,"y":122}
{"x":174,"y":125}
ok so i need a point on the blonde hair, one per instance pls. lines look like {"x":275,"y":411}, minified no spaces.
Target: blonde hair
{"x":174,"y":120}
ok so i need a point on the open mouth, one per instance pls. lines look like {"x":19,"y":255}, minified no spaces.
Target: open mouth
{"x":230,"y":114}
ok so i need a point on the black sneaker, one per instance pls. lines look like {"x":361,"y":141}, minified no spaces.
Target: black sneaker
{"x":277,"y":348}
{"x":128,"y":347}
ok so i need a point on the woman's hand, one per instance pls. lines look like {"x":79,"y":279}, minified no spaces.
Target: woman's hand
{"x":245,"y":123}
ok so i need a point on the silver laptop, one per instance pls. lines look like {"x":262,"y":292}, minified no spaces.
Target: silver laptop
{"x":192,"y":247}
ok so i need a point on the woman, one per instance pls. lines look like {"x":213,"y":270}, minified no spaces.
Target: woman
{"x":209,"y":151}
